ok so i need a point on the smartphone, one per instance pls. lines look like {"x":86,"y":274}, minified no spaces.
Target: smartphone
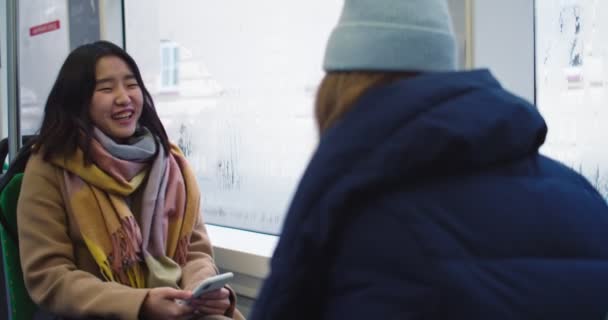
{"x":211,"y":284}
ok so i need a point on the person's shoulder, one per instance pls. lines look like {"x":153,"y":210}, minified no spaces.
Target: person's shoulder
{"x":36,"y":163}
{"x":569,"y":178}
{"x":37,"y":159}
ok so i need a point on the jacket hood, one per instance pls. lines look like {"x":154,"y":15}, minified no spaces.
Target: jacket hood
{"x":429,"y":126}
{"x":434,"y":124}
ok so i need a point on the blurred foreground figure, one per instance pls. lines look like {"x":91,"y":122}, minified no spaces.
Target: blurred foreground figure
{"x":427,"y":197}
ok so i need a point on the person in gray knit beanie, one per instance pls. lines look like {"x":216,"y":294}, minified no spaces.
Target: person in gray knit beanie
{"x":427,"y":197}
{"x":397,"y":35}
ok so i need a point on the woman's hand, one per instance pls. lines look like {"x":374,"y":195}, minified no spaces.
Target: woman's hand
{"x":214,"y":302}
{"x":160,"y":303}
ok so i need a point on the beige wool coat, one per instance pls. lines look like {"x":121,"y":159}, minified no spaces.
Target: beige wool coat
{"x":60,"y":273}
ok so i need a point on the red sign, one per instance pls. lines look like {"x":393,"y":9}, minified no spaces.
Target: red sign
{"x":44,"y":28}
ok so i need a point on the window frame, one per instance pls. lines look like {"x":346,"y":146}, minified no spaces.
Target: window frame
{"x":171,"y":51}
{"x":245,"y":253}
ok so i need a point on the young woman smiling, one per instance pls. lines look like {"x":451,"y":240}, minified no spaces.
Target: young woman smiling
{"x":108,"y":217}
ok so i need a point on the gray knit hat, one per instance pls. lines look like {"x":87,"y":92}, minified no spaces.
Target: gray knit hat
{"x":392,"y":35}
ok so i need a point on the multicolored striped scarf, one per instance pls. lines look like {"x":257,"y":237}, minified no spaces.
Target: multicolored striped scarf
{"x":124,"y":247}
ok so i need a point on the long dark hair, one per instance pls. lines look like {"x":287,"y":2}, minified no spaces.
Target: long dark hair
{"x":66,"y":125}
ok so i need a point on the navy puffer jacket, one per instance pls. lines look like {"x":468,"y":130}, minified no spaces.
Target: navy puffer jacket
{"x":430,"y":200}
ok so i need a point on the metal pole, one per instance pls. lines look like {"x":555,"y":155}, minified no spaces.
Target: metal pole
{"x":469,"y":37}
{"x":12,"y":68}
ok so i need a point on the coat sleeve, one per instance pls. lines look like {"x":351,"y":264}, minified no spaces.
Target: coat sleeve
{"x":200,"y":265}
{"x":47,"y":255}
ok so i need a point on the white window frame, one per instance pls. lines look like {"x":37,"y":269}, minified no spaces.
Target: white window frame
{"x":245,"y":253}
{"x":169,"y":83}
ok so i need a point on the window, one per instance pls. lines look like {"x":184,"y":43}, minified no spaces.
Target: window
{"x":48,"y":31}
{"x":572,"y":83}
{"x":169,"y":66}
{"x":246,"y":79}
{"x":248,"y":74}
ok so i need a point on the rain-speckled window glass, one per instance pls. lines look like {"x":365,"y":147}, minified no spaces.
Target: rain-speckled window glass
{"x":572,"y":83}
{"x":242,"y":106}
{"x":234,"y":83}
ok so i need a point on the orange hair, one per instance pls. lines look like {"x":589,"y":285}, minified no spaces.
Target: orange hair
{"x":339,"y":91}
